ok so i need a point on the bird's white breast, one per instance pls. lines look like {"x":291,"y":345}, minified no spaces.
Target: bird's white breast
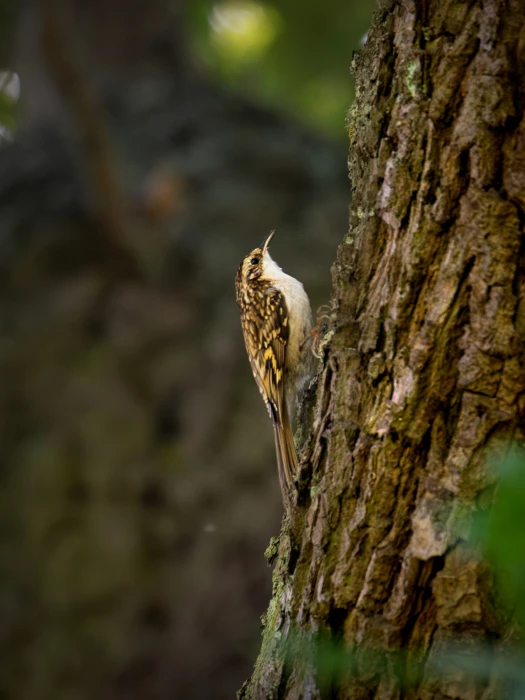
{"x":299,"y":310}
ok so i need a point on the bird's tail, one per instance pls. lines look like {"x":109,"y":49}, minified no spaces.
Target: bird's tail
{"x":287,"y":463}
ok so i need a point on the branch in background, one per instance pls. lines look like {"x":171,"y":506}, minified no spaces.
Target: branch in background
{"x":88,"y":117}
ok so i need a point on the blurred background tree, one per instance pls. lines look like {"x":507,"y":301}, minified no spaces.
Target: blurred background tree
{"x":138,"y":487}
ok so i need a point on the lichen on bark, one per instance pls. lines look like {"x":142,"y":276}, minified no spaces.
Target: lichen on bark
{"x":424,"y":376}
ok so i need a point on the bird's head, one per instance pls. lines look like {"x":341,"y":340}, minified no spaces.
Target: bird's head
{"x":254,"y":264}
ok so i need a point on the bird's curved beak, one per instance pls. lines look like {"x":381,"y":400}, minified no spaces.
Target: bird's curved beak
{"x":266,"y":241}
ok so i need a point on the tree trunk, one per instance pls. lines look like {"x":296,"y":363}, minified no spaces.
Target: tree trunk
{"x":423,"y":371}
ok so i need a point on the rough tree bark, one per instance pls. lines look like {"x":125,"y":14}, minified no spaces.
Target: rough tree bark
{"x":423,"y":375}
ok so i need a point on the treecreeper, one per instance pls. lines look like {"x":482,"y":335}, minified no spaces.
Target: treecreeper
{"x":276,"y":320}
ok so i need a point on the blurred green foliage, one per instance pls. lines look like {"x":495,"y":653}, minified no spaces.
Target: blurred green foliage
{"x":500,"y":532}
{"x":290,"y":55}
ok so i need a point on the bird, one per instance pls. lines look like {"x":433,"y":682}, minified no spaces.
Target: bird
{"x":276,"y":321}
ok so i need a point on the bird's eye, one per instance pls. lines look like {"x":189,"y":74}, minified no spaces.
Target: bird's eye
{"x":254,"y":261}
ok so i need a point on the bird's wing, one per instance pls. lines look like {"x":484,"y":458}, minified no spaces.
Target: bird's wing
{"x":266,"y":344}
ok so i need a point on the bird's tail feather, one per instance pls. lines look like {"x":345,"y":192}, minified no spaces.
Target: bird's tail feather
{"x":287,"y":463}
